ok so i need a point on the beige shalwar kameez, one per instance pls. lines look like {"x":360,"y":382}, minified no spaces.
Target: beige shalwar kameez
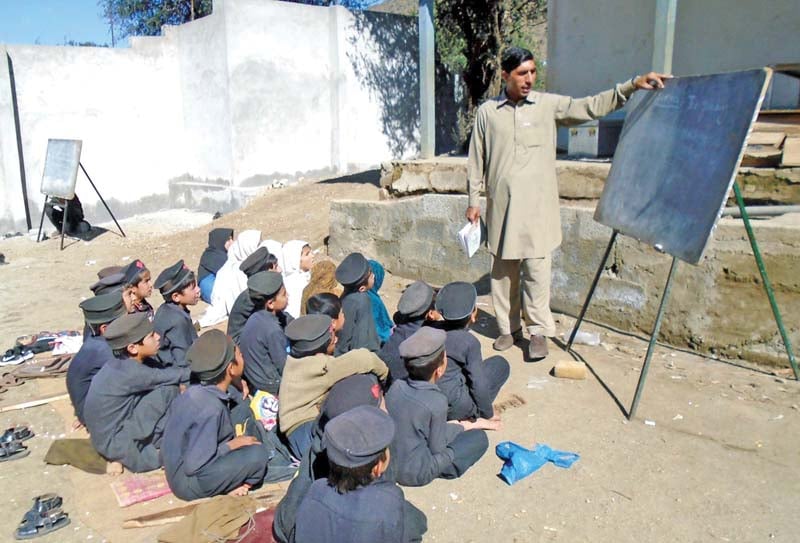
{"x":513,"y":154}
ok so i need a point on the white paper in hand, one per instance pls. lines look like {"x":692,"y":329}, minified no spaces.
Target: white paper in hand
{"x":470,"y":238}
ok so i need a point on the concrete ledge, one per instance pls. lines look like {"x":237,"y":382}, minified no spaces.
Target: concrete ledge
{"x":576,"y":180}
{"x":718,"y":307}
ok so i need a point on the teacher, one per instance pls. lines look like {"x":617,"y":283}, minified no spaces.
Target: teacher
{"x":513,"y":153}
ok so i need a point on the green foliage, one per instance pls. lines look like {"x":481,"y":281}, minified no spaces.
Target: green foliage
{"x":470,"y":39}
{"x":146,"y":17}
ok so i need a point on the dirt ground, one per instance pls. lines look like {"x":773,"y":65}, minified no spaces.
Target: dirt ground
{"x":713,"y":454}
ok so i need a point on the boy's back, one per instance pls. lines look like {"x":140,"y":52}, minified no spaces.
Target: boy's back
{"x":369,"y":514}
{"x":390,"y":352}
{"x":359,"y":330}
{"x":420,"y":452}
{"x":263,"y":344}
{"x":174,"y":325}
{"x":91,"y":357}
{"x":464,"y":382}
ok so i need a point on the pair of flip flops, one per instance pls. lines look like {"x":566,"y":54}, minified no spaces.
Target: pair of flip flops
{"x":44,"y":517}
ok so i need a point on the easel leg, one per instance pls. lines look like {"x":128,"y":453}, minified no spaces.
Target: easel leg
{"x":64,"y":223}
{"x":41,"y":221}
{"x":653,"y":338}
{"x":101,"y":199}
{"x":765,"y":279}
{"x":591,"y":290}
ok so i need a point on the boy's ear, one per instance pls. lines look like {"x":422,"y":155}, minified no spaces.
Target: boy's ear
{"x":132,"y":349}
{"x":174,"y":297}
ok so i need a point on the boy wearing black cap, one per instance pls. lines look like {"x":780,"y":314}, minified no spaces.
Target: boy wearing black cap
{"x":414,"y":308}
{"x":263,"y":341}
{"x":98,"y":312}
{"x":354,"y":503}
{"x":350,"y":392}
{"x":426,"y":446}
{"x":173,"y":322}
{"x":470,"y":383}
{"x":258,"y":262}
{"x":202,"y":455}
{"x":309,"y":374}
{"x":359,"y":331}
{"x":127,"y":401}
{"x":137,"y":286}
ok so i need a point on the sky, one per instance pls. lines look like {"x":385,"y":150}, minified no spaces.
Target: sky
{"x":52,"y":22}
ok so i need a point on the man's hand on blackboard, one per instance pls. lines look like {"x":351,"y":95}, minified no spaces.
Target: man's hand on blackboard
{"x":650,"y":81}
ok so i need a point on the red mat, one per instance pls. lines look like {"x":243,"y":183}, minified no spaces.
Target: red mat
{"x":139,"y":488}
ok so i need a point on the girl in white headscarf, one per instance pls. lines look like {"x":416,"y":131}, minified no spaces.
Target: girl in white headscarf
{"x":297,"y":260}
{"x":230,"y":281}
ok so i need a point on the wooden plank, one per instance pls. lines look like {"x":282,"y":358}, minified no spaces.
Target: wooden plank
{"x":761,"y":156}
{"x":34,"y":403}
{"x":772,"y":139}
{"x":791,"y":152}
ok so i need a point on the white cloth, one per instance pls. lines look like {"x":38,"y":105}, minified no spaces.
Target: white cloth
{"x":230,"y":281}
{"x":294,"y":279}
{"x":274,"y":248}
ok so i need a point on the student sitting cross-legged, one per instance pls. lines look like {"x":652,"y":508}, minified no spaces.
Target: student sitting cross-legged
{"x":99,"y":312}
{"x":173,"y":322}
{"x":413,"y":310}
{"x":258,"y":262}
{"x":310,"y":372}
{"x":359,"y":329}
{"x":354,"y":503}
{"x":127,"y":401}
{"x":202,"y":455}
{"x":263,"y":341}
{"x":470,"y":383}
{"x":426,"y":446}
{"x":350,"y":392}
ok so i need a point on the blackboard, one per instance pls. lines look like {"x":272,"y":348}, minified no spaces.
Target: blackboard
{"x":677,"y":159}
{"x":61,"y":167}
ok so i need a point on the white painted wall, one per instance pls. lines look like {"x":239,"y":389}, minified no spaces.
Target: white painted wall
{"x":594,"y":43}
{"x":254,"y":91}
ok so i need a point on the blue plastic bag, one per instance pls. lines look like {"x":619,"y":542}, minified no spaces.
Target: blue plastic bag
{"x":520,"y":462}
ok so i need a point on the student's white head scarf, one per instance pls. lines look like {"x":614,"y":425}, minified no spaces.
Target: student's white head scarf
{"x":246,"y":243}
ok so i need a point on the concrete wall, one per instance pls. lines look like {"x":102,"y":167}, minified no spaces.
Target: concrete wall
{"x":716,"y":307}
{"x":595,"y":43}
{"x":211,"y":110}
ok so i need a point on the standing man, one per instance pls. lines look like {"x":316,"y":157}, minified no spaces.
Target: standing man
{"x":513,"y":152}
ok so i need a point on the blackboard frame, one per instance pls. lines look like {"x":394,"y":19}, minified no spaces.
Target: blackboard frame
{"x":61,"y":164}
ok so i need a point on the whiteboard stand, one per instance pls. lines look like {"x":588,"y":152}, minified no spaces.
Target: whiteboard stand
{"x":60,"y":176}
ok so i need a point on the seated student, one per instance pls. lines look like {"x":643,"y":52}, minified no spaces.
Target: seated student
{"x":258,"y":262}
{"x":106,"y":284}
{"x":383,"y":323}
{"x":350,"y":392}
{"x":470,"y":383}
{"x":297,"y":261}
{"x":327,"y":303}
{"x":359,"y":329}
{"x":230,"y":280}
{"x":425,"y":445}
{"x":323,"y":279}
{"x":137,"y":286}
{"x":310,"y":372}
{"x":202,"y":455}
{"x":263,"y":341}
{"x":98,"y":312}
{"x":173,"y":322}
{"x":212,"y":259}
{"x":413,"y":309}
{"x":354,"y":503}
{"x":127,"y":401}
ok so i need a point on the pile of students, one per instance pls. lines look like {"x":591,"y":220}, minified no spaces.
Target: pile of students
{"x":331,"y":392}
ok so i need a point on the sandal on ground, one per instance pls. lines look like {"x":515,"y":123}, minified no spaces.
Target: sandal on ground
{"x":12,"y":450}
{"x":9,"y":380}
{"x":16,"y":433}
{"x":44,"y":517}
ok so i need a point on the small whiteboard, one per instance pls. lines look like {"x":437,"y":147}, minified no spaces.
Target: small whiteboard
{"x":61,"y":168}
{"x":677,"y":159}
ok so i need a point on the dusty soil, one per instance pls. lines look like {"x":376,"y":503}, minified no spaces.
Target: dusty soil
{"x":711,"y":456}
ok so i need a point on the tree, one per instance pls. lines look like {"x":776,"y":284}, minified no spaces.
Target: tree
{"x":146,"y":17}
{"x":471,"y":37}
